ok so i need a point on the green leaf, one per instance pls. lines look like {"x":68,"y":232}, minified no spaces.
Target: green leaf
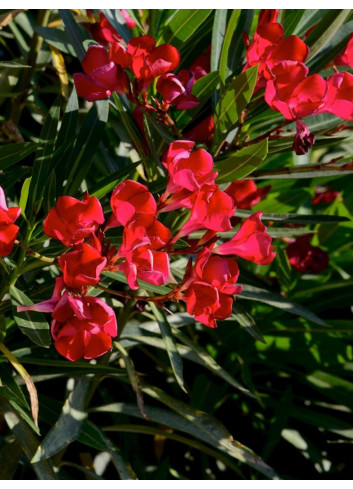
{"x":157,"y":289}
{"x":295,"y":218}
{"x":12,"y":64}
{"x":171,"y":347}
{"x":86,"y":146}
{"x":74,"y":32}
{"x":24,"y":195}
{"x":183,"y":24}
{"x":69,"y":425}
{"x":41,"y":164}
{"x":57,"y":38}
{"x":10,"y":154}
{"x":33,"y":324}
{"x":237,"y":48}
{"x":92,"y":436}
{"x":69,"y":121}
{"x":218,"y":33}
{"x":108,"y":183}
{"x":11,"y":390}
{"x":116,"y":19}
{"x":235,"y":99}
{"x":325,"y":30}
{"x":292,"y":20}
{"x":27,"y":439}
{"x":250,"y":292}
{"x":232,"y":24}
{"x":241,"y":163}
{"x":246,"y":321}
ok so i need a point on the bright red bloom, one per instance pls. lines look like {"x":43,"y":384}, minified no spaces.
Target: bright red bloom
{"x":339,"y":100}
{"x":101,"y":77}
{"x":187,"y":173}
{"x":324,"y":196}
{"x":346,"y":58}
{"x":145,"y":264}
{"x":303,"y":140}
{"x":251,"y":242}
{"x":71,"y":221}
{"x":268,"y":16}
{"x":304,"y":257}
{"x":83,"y":327}
{"x":245,"y":193}
{"x":129,"y":198}
{"x":104,"y":33}
{"x":292,"y":93}
{"x":203,"y":131}
{"x":8,"y":230}
{"x":207,"y":304}
{"x":176,"y":90}
{"x":212,"y":210}
{"x":82,"y":266}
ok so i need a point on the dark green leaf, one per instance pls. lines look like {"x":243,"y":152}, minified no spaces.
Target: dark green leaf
{"x":13,"y":153}
{"x":232,"y":24}
{"x":246,"y":321}
{"x":241,"y":163}
{"x":183,"y":24}
{"x":157,"y":289}
{"x":33,"y":324}
{"x":116,"y":19}
{"x":295,"y":218}
{"x":218,"y":33}
{"x":74,"y":32}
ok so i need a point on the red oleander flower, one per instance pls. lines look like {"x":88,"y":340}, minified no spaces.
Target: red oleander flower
{"x":71,"y":221}
{"x":101,"y":76}
{"x":104,"y":33}
{"x":346,"y":58}
{"x":212,"y":210}
{"x":203,"y":131}
{"x":268,"y":16}
{"x":82,"y":266}
{"x":304,"y":257}
{"x":294,"y":94}
{"x":83,"y":327}
{"x":8,"y":230}
{"x":144,"y":230}
{"x":201,"y":66}
{"x":324,"y":196}
{"x":207,"y":304}
{"x":245,"y":193}
{"x":176,"y":90}
{"x":187,"y":173}
{"x":339,"y":100}
{"x":303,"y":140}
{"x":251,"y":242}
{"x":128,"y":199}
{"x":145,"y":264}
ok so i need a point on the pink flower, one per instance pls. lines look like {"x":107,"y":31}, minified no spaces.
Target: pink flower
{"x":71,"y":221}
{"x":176,"y":90}
{"x":8,"y":230}
{"x":245,"y":193}
{"x":82,"y":266}
{"x":128,"y":199}
{"x":145,"y":264}
{"x":101,"y":77}
{"x":83,"y":327}
{"x":304,"y":257}
{"x":251,"y":242}
{"x":339,"y":100}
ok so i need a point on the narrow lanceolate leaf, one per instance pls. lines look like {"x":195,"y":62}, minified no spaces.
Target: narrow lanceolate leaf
{"x":75,"y":32}
{"x":294,"y":218}
{"x":27,"y":439}
{"x":223,"y":62}
{"x":69,"y":425}
{"x":42,"y":163}
{"x":262,"y":295}
{"x":241,"y":163}
{"x":92,"y":436}
{"x":12,"y":64}
{"x":172,"y":350}
{"x":183,"y":25}
{"x":10,"y":154}
{"x":216,"y":433}
{"x":31,"y":323}
{"x":218,"y":33}
{"x":235,"y":99}
{"x":325,"y":30}
{"x":32,"y":391}
{"x":24,"y":195}
{"x":116,"y":19}
{"x":246,"y":321}
{"x":156,"y":289}
{"x":108,"y":183}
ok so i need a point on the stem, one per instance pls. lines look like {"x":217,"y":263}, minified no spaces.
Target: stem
{"x":33,"y":253}
{"x":302,"y":169}
{"x":126,"y":295}
{"x":267,"y":134}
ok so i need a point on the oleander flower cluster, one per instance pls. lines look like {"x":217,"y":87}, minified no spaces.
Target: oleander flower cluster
{"x":83,"y":325}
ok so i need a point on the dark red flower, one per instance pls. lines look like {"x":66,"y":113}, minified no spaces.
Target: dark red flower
{"x":303,"y":140}
{"x":304,"y":257}
{"x":203,"y":131}
{"x":245,"y":193}
{"x":8,"y":230}
{"x":82,"y":266}
{"x":71,"y":221}
{"x":324,"y":196}
{"x":101,"y":76}
{"x":176,"y":90}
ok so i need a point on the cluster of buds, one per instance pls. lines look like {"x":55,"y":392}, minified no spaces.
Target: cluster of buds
{"x":289,"y":88}
{"x":84,"y":325}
